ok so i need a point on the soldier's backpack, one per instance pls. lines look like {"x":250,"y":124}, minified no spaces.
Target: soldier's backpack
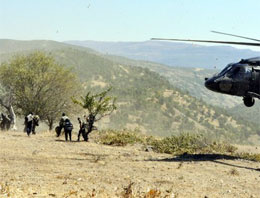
{"x":68,"y":126}
{"x":58,"y":130}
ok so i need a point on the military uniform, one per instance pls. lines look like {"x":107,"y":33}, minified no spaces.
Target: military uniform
{"x":82,"y":129}
{"x":28,"y":123}
{"x":66,"y":125}
{"x":35,"y":123}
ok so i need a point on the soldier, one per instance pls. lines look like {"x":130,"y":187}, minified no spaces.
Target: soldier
{"x":67,"y":125}
{"x":82,"y":129}
{"x":35,"y":123}
{"x":28,"y":122}
{"x":62,"y":120}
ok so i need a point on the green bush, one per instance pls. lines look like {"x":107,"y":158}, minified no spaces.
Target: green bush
{"x":120,"y":138}
{"x":249,"y":156}
{"x":189,"y":143}
{"x":176,"y":144}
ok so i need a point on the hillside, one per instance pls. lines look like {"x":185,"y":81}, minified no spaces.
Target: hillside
{"x":190,"y":80}
{"x":187,"y":79}
{"x":44,"y":166}
{"x":16,"y":46}
{"x":252,"y":114}
{"x":148,"y":101}
{"x":171,"y":53}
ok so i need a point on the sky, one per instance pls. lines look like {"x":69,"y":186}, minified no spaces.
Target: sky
{"x":128,"y":20}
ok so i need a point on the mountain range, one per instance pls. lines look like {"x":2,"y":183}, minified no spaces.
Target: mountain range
{"x":172,"y":53}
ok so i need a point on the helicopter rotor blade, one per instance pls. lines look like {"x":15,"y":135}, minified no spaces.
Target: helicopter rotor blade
{"x":235,"y":35}
{"x":210,"y":41}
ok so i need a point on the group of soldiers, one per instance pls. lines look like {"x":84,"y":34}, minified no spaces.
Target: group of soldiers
{"x":5,"y":122}
{"x":31,"y":121}
{"x":66,"y":124}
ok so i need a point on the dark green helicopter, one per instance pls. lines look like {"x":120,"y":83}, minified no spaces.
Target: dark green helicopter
{"x":238,"y":79}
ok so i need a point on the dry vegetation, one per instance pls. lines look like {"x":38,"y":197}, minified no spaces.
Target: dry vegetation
{"x":44,"y":166}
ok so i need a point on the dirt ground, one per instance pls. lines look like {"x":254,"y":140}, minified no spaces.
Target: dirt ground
{"x":45,"y":166}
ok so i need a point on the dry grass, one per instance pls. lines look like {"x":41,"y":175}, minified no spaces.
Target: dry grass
{"x":45,"y":166}
{"x":128,"y":192}
{"x":180,"y":165}
{"x":234,"y":172}
{"x":153,"y":194}
{"x":5,"y":190}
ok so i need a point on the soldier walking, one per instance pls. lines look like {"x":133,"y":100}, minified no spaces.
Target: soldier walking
{"x":28,"y":123}
{"x":66,"y":125}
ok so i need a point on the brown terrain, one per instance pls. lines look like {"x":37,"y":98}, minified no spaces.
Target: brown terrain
{"x":45,"y":166}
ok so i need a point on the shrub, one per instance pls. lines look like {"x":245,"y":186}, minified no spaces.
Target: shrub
{"x":176,"y":144}
{"x":120,"y":138}
{"x":234,"y":172}
{"x":249,"y":156}
{"x":189,"y":143}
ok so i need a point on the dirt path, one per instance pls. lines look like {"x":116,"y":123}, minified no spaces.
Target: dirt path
{"x":45,"y":166}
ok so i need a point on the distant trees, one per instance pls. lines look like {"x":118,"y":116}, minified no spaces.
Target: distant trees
{"x":36,"y":83}
{"x":97,"y":106}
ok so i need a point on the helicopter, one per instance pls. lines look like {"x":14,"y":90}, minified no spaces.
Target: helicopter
{"x":238,"y":79}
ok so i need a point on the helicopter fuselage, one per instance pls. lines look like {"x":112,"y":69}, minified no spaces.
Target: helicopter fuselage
{"x":238,"y":79}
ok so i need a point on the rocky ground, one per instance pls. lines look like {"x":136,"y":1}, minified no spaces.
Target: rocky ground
{"x":45,"y":166}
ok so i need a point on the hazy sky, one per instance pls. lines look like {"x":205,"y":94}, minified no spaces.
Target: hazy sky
{"x":127,"y":20}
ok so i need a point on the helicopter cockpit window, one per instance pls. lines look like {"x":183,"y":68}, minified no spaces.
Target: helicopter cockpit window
{"x":226,"y":69}
{"x":238,"y":70}
{"x":248,"y":70}
{"x":234,"y":71}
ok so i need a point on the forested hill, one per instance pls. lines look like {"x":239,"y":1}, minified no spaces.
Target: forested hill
{"x":252,"y":114}
{"x":145,"y":99}
{"x":187,"y":79}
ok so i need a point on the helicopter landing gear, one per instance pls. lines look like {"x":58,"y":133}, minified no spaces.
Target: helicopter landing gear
{"x":249,"y":101}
